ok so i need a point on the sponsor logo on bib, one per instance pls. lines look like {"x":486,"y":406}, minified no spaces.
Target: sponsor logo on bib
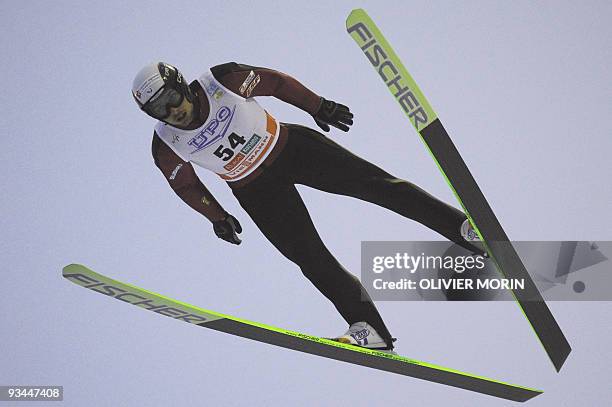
{"x":214,"y":130}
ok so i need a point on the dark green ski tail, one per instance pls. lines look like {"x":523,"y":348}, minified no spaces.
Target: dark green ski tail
{"x":420,"y":113}
{"x":181,"y":311}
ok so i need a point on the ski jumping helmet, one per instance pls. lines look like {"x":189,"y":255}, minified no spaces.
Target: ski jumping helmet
{"x":158,"y":87}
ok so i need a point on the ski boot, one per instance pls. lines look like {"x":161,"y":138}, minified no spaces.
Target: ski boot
{"x":362,"y":334}
{"x":468,"y":232}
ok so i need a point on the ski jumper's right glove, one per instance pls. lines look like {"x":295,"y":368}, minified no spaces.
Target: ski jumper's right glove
{"x":334,"y":114}
{"x":227,"y":229}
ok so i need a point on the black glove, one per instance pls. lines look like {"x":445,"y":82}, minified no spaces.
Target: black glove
{"x":332,"y":113}
{"x":227,"y":229}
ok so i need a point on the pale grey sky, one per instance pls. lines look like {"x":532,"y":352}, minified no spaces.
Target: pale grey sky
{"x":522,"y":87}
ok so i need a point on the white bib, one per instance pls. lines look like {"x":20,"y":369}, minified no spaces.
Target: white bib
{"x":233,"y":141}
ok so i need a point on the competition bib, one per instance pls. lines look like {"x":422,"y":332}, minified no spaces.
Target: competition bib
{"x":233,"y":141}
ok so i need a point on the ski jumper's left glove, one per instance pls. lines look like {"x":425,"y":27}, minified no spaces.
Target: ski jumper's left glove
{"x":334,"y":114}
{"x":228,"y":229}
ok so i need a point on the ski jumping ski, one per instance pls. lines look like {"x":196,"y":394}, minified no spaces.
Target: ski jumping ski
{"x":380,"y":360}
{"x":412,"y":101}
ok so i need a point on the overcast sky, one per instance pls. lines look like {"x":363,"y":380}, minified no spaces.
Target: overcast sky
{"x":522,"y":87}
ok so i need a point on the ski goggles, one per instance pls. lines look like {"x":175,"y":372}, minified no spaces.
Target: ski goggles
{"x":159,"y":105}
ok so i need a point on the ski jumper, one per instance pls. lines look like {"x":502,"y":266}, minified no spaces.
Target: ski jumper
{"x":266,"y":189}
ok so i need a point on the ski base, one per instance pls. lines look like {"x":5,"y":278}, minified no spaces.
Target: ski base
{"x":380,"y":360}
{"x":424,"y":119}
{"x":497,"y":243}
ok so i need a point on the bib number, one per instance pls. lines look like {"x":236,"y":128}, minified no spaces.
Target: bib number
{"x":226,"y":153}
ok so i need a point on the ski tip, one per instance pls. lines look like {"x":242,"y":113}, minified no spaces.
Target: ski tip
{"x":71,"y":268}
{"x":354,"y":14}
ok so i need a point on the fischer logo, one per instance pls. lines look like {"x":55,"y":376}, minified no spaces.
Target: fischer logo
{"x":214,"y":130}
{"x":140,"y":299}
{"x":390,"y":74}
